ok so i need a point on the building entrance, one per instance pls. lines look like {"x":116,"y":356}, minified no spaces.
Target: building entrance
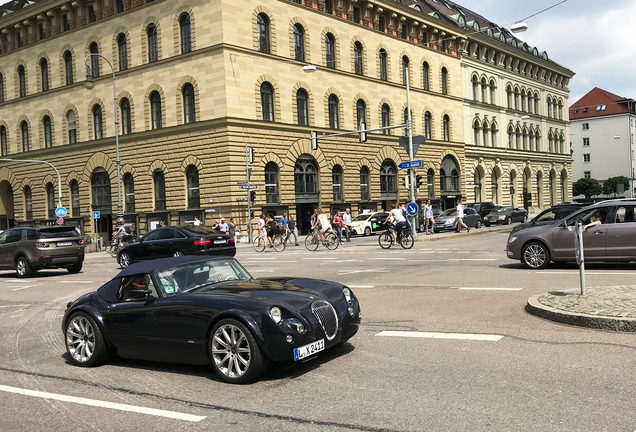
{"x":6,"y":206}
{"x":303,"y":217}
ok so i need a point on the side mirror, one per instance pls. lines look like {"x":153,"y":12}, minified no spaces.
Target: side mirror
{"x":140,"y":294}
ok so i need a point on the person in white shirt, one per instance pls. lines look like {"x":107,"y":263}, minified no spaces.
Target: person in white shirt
{"x":400,"y":221}
{"x":197,"y":222}
{"x":346,"y":220}
{"x":428,"y":218}
{"x":261,"y":225}
{"x":460,"y":216}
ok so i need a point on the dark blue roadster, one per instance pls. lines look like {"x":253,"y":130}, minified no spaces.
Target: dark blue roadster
{"x":197,"y":310}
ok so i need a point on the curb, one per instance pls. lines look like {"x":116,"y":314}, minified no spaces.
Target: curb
{"x":450,"y":235}
{"x":535,"y":307}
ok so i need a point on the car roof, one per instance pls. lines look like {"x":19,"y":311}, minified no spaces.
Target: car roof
{"x":631,"y":201}
{"x":152,"y":265}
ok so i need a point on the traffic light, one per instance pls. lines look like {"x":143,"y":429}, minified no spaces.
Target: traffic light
{"x":251,"y":214}
{"x":253,"y":196}
{"x":418,"y":183}
{"x":406,"y":183}
{"x":363,"y":135}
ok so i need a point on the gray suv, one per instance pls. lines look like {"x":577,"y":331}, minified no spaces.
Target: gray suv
{"x":29,"y":249}
{"x":611,"y":236}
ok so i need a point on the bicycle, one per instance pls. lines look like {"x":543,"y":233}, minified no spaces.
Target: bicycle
{"x":404,"y":238}
{"x":312,"y":241}
{"x":113,"y":246}
{"x":260,"y":242}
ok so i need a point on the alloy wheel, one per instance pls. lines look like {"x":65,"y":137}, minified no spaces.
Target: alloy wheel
{"x":20,"y":267}
{"x":80,"y":339}
{"x":535,"y":256}
{"x":231,"y":351}
{"x":125,"y":260}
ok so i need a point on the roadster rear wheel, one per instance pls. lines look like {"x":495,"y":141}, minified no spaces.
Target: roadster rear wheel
{"x":235,"y":354}
{"x":84,"y":341}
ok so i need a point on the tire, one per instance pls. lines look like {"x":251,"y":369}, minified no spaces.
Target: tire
{"x":421,"y":228}
{"x":23,"y":268}
{"x":367,"y":232}
{"x":235,"y":355}
{"x":525,"y":218}
{"x":74,"y":268}
{"x":535,"y":256}
{"x":508,"y":220}
{"x":85,"y":343}
{"x":406,"y":240}
{"x":332,"y":241}
{"x":385,"y":239}
{"x":279,"y":243}
{"x":125,"y":260}
{"x":311,"y":243}
{"x":478,"y":224}
{"x":259,"y":244}
{"x":177,"y":253}
{"x":114,"y":250}
{"x":487,"y":224}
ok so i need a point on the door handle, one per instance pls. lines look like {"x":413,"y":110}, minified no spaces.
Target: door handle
{"x":599,"y":232}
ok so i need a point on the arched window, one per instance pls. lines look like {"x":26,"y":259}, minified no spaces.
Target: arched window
{"x":72,"y":125}
{"x":189,"y":110}
{"x":262,"y":32}
{"x":153,"y":46}
{"x":336,"y":183}
{"x":517,"y":106}
{"x":444,"y":81}
{"x":493,"y":134}
{"x":549,"y":103}
{"x":100,"y":184}
{"x":525,"y":139}
{"x":126,"y":125}
{"x":330,"y":51}
{"x":539,"y":188}
{"x":22,"y":81}
{"x":267,"y":102}
{"x":383,"y":62}
{"x":1,"y":88}
{"x":537,"y":140}
{"x":186,"y":36}
{"x":530,"y":103}
{"x":425,"y":76}
{"x":48,"y":135}
{"x":50,"y":200}
{"x":536,"y":103}
{"x":494,"y":185}
{"x":364,"y":184}
{"x":94,"y":50}
{"x":484,"y":90}
{"x":299,"y":42}
{"x":333,"y":111}
{"x":68,"y":67}
{"x":388,"y":179}
{"x":475,"y":89}
{"x":3,"y":141}
{"x":386,"y":118}
{"x":192,"y":180}
{"x":357,"y":58}
{"x":97,"y":121}
{"x":302,"y":109}
{"x":129,"y":193}
{"x":524,"y":102}
{"x":122,"y":49}
{"x":511,"y":142}
{"x":510,"y":95}
{"x":518,"y":139}
{"x":428,"y":130}
{"x":405,"y":69}
{"x":493,"y":92}
{"x":476,"y":132}
{"x":430,"y":183}
{"x":306,"y":177}
{"x":24,"y":127}
{"x":159,"y":181}
{"x":271,"y":183}
{"x":530,"y":140}
{"x":155,"y":110}
{"x":485,"y":134}
{"x":28,"y":203}
{"x":550,"y":143}
{"x":446,"y":128}
{"x":361,"y":114}
{"x":449,"y":175}
{"x":75,"y":199}
{"x":44,"y":72}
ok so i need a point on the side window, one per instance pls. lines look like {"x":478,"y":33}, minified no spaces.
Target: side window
{"x":167,"y":234}
{"x":3,"y":237}
{"x":548,"y":216}
{"x":31,"y":234}
{"x":589,"y":216}
{"x":179,"y":235}
{"x":625,"y":214}
{"x":152,"y":235}
{"x":14,"y":236}
{"x":135,"y":282}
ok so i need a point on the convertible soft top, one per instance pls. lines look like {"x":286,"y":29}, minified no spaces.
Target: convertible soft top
{"x":152,"y":265}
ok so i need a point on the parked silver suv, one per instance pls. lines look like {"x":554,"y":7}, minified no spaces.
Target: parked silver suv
{"x":613,"y":239}
{"x":29,"y":249}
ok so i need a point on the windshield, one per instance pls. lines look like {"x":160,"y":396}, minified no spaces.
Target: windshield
{"x":547,"y":215}
{"x":57,"y":232}
{"x":449,"y":212}
{"x":476,"y":206}
{"x":503,"y":209}
{"x":189,"y":277}
{"x":362,"y":217}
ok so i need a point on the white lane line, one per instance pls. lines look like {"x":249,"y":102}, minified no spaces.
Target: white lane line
{"x":489,"y":289}
{"x":25,"y":287}
{"x":388,"y":258}
{"x":319,"y":258}
{"x":16,"y":281}
{"x":430,"y":335}
{"x":473,"y":259}
{"x":103,"y":404}
{"x":360,"y":286}
{"x":14,"y":306}
{"x":258,"y":262}
{"x":346,"y":272}
{"x":586,"y":272}
{"x":263,"y":270}
{"x":74,"y":281}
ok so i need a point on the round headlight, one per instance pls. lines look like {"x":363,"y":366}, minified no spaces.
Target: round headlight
{"x":347,"y":293}
{"x":276,"y":314}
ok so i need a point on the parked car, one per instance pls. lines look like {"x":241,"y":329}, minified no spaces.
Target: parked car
{"x":367,"y":223}
{"x":421,"y":222}
{"x":483,"y":208}
{"x":447,"y":220}
{"x":613,"y":239}
{"x":506,"y":215}
{"x":29,"y":249}
{"x":176,"y":241}
{"x":208,"y":310}
{"x":551,"y":215}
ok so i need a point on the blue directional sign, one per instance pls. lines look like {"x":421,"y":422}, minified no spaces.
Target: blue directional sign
{"x":240,"y":182}
{"x":96,"y":215}
{"x":248,"y":187}
{"x":242,"y":199}
{"x":60,"y":212}
{"x":410,"y":164}
{"x":412,"y":209}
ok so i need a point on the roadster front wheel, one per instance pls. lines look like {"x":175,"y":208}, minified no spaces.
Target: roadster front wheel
{"x":235,"y":354}
{"x":84,"y":341}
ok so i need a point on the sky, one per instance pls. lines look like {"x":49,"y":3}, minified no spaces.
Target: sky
{"x":590,"y":37}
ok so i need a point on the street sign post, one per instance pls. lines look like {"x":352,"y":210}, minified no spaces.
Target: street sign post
{"x":96,"y":215}
{"x":410,"y":164}
{"x":60,"y":212}
{"x":412,"y":209}
{"x":578,"y":251}
{"x":60,"y":220}
{"x":248,"y":187}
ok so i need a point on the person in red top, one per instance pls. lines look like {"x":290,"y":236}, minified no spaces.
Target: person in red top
{"x":337,"y":220}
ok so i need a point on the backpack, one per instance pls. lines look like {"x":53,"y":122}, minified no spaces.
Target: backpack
{"x":127,"y":230}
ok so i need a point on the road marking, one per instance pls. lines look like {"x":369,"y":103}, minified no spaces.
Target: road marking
{"x":25,"y":287}
{"x":346,"y":272}
{"x":430,"y":335}
{"x":387,"y":258}
{"x":360,"y":286}
{"x":319,"y":258}
{"x":473,"y":259}
{"x":74,"y":281}
{"x":489,"y":289}
{"x":103,"y":404}
{"x":263,"y":270}
{"x":14,"y":306}
{"x":258,"y":262}
{"x":586,"y":272}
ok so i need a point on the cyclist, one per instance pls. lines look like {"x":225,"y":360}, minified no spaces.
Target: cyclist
{"x":120,"y":234}
{"x":323,"y":224}
{"x":400,"y":221}
{"x":271,"y":229}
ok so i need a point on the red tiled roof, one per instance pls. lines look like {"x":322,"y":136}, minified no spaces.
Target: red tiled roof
{"x":593,"y":99}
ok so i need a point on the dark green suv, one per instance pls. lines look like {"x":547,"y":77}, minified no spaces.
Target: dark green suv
{"x":29,"y":249}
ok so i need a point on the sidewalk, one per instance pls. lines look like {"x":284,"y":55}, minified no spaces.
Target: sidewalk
{"x":607,"y":308}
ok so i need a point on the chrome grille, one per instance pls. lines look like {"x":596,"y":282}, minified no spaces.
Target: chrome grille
{"x":327,"y":317}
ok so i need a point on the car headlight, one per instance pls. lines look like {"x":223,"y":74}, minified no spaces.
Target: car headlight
{"x":512,"y":239}
{"x":502,"y":217}
{"x":450,"y":221}
{"x":276,"y":314}
{"x":347,"y":293}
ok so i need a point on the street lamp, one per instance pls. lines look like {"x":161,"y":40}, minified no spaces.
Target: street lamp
{"x":89,"y":84}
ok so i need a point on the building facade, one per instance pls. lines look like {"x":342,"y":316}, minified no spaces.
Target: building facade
{"x":603,"y":126}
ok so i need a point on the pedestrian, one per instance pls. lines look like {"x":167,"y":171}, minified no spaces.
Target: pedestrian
{"x":346,"y":220}
{"x":291,"y":229}
{"x":215,"y":225}
{"x":78,"y":228}
{"x":261,"y":224}
{"x":460,"y":216}
{"x":197,"y":222}
{"x":428,"y":218}
{"x":271,"y":229}
{"x":231,"y":229}
{"x":314,"y":220}
{"x":406,"y":217}
{"x":283,"y":222}
{"x":223,"y":226}
{"x":337,"y":221}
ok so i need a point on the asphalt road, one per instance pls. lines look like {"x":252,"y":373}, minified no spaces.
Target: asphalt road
{"x":478,"y":361}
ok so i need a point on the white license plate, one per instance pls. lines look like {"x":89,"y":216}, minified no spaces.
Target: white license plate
{"x":308,"y":350}
{"x":220,"y":241}
{"x":63,"y":244}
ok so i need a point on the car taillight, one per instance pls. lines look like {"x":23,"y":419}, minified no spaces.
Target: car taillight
{"x":231,"y":239}
{"x":202,"y":242}
{"x":41,"y":244}
{"x":80,"y":242}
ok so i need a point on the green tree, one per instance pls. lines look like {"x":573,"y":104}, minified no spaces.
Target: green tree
{"x":587,"y":186}
{"x":609,"y":186}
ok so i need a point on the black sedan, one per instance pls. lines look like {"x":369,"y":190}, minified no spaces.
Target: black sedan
{"x":505,"y":215}
{"x":177,"y":241}
{"x":197,"y":310}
